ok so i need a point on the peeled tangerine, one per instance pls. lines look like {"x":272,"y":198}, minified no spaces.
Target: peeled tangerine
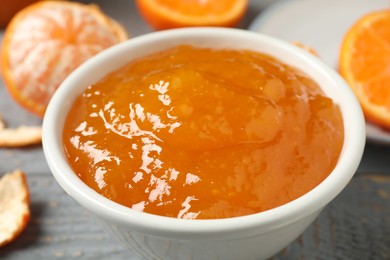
{"x":203,"y":133}
{"x":14,"y":206}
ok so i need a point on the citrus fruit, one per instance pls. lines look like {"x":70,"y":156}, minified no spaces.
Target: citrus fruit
{"x":365,"y":64}
{"x":14,"y":206}
{"x":10,"y":8}
{"x":167,"y":14}
{"x":46,"y":41}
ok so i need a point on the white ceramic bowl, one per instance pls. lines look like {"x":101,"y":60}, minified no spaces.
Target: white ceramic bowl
{"x":256,"y":236}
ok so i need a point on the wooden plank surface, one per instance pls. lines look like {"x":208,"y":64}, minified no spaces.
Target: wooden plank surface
{"x":354,"y":226}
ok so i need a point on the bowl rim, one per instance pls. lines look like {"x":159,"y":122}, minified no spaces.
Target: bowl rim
{"x":313,"y":201}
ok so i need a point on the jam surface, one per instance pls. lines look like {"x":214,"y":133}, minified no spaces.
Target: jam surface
{"x":198,"y":133}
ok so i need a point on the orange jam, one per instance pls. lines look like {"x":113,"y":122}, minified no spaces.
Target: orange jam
{"x":198,"y":133}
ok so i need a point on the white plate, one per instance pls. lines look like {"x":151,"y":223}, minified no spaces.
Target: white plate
{"x":320,"y":24}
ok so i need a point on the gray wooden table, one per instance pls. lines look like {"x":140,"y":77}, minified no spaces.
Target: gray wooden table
{"x":354,"y":226}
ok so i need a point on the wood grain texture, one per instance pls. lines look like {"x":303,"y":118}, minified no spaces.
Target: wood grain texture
{"x":356,"y":225}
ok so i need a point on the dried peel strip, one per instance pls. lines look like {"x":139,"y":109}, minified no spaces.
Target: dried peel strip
{"x":21,"y":136}
{"x":14,"y":206}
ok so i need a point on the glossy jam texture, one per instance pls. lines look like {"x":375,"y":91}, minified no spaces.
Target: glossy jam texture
{"x":202,"y":133}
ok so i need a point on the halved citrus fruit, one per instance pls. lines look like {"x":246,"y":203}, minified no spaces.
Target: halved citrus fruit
{"x":46,"y":41}
{"x":365,"y":64}
{"x":167,"y":14}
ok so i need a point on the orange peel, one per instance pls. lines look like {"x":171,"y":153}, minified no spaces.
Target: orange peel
{"x":14,"y":206}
